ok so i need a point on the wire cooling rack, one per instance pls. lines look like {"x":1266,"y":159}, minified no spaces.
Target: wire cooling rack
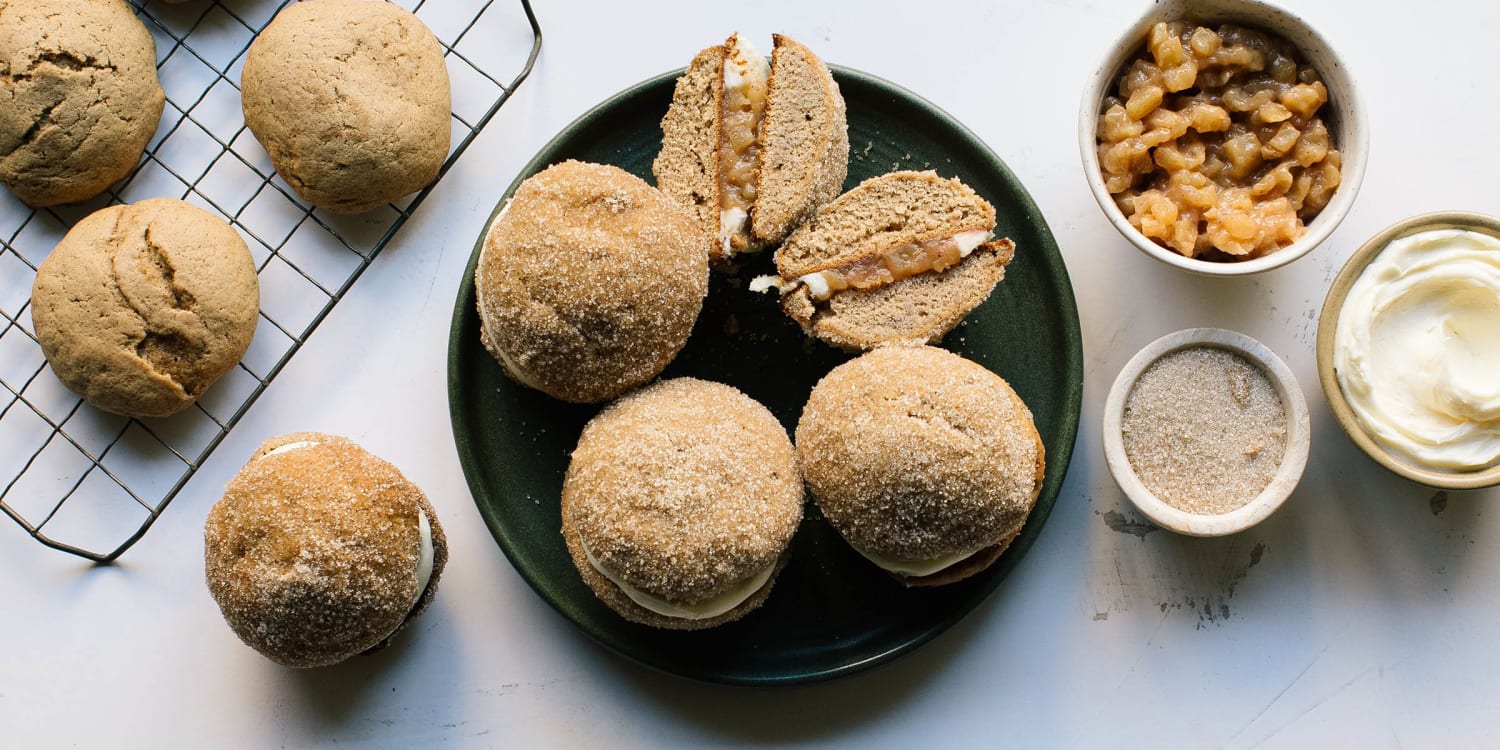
{"x":91,"y":483}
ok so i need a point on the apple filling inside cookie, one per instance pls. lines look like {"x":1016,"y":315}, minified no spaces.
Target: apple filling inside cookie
{"x":746,"y":78}
{"x":887,"y":266}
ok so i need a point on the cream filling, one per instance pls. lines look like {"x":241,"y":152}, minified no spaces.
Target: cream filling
{"x":817,"y":282}
{"x":289,"y":447}
{"x":517,"y":373}
{"x":746,"y":68}
{"x":768,"y":282}
{"x":732,"y":223}
{"x":425,"y":551}
{"x":484,"y":254}
{"x":515,"y":370}
{"x":424,"y":556}
{"x":917,"y":568}
{"x":1417,"y":349}
{"x":967,"y":241}
{"x":711,"y":607}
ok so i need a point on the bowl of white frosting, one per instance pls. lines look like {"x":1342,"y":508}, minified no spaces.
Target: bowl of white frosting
{"x":1409,"y":349}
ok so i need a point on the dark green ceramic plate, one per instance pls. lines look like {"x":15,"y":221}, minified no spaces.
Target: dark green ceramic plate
{"x":831,"y":612}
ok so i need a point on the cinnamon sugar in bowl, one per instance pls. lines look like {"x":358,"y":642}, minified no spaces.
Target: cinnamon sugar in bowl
{"x":1206,"y":431}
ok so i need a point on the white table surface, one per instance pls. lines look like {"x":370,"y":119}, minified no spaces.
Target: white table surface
{"x":1360,"y":615}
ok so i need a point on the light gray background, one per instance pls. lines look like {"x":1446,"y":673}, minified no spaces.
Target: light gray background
{"x":1363,"y":614}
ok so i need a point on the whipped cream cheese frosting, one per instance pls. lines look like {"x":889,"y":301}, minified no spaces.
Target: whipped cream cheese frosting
{"x":711,"y":607}
{"x":289,"y":447}
{"x":512,"y":367}
{"x":1417,"y":349}
{"x":425,"y":555}
{"x":917,"y":568}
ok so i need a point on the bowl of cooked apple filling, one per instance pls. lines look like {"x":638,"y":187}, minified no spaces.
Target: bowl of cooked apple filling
{"x":1223,"y":137}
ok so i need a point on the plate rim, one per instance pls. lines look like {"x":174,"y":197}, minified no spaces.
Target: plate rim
{"x":1070,"y":401}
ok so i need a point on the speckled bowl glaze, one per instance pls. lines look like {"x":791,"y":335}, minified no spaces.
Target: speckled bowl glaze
{"x":1298,"y":434}
{"x":1343,"y":114}
{"x":1328,"y":320}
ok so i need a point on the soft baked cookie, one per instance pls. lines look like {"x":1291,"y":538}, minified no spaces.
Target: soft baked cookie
{"x":926,"y":463}
{"x":320,"y":550}
{"x":140,"y":308}
{"x":680,"y":502}
{"x":79,"y":97}
{"x":350,"y":98}
{"x":589,"y":282}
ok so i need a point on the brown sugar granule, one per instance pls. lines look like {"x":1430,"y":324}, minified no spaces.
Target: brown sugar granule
{"x":1205,"y":430}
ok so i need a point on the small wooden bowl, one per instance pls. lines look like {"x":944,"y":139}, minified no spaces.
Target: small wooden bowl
{"x":1328,"y":320}
{"x":1298,"y":434}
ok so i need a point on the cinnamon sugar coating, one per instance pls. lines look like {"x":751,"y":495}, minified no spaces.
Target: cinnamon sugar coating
{"x":589,"y":282}
{"x":682,"y":489}
{"x":914,"y":452}
{"x":312,"y":554}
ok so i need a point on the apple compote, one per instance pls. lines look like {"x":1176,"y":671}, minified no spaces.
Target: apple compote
{"x":1212,"y":144}
{"x":746,"y":80}
{"x":895,"y":264}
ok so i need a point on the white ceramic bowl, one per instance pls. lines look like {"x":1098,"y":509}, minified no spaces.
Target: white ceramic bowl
{"x":1298,"y":434}
{"x":1343,"y":114}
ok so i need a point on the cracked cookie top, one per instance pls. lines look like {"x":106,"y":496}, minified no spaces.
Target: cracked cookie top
{"x":141,"y":308}
{"x":351,"y":100}
{"x":79,"y":97}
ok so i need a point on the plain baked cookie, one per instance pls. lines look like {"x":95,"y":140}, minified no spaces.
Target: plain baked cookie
{"x":140,"y":308}
{"x":925,"y":462}
{"x":319,"y":550}
{"x":79,"y":97}
{"x":350,"y":98}
{"x":589,"y":282}
{"x":680,"y":503}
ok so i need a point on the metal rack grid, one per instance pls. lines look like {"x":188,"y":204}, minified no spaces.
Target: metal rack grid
{"x":91,"y":483}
